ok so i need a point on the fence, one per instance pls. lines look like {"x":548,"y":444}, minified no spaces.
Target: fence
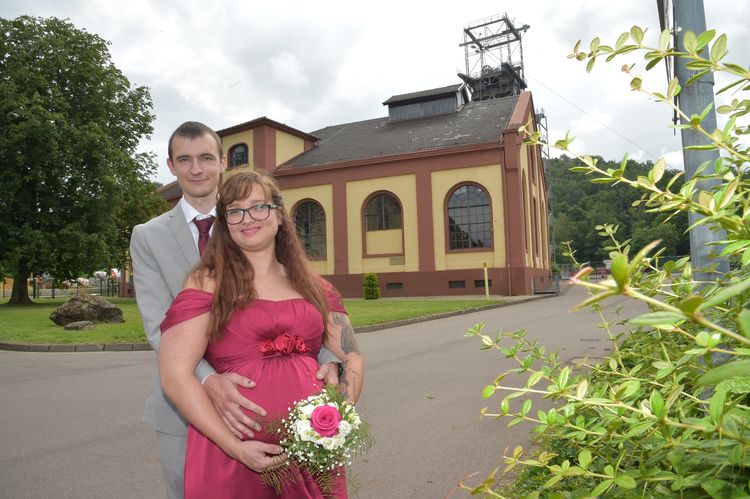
{"x":543,"y":284}
{"x":104,"y":287}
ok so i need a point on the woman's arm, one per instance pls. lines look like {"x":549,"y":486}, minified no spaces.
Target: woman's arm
{"x":182,"y":347}
{"x":341,"y":342}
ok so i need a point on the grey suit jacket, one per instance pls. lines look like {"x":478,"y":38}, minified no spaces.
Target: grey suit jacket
{"x":163,"y":252}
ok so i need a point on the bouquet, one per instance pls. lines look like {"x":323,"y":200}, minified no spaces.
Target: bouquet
{"x":321,"y":435}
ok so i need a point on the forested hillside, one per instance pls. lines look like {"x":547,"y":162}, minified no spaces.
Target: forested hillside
{"x":578,"y":206}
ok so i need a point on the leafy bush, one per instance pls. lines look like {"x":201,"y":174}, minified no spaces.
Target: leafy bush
{"x":371,"y":287}
{"x":667,"y":413}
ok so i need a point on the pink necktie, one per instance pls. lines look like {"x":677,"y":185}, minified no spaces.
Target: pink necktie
{"x":204,"y":226}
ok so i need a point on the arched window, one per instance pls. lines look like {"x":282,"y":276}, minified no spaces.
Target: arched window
{"x":238,"y":155}
{"x":469,"y":218}
{"x":383,"y":212}
{"x":310,"y":220}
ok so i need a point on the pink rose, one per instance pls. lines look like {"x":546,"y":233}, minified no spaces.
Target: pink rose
{"x":325,"y":420}
{"x":284,"y":343}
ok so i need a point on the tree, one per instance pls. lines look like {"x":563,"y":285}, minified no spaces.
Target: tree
{"x":70,"y":124}
{"x":580,"y":206}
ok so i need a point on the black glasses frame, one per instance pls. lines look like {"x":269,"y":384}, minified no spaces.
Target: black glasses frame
{"x":249,"y":212}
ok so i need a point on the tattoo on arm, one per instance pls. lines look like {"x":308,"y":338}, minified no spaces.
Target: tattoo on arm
{"x":348,"y":343}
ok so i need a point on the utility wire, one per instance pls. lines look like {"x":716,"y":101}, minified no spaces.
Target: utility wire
{"x":594,"y":118}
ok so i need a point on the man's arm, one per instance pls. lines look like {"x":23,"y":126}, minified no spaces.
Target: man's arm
{"x":152,"y":293}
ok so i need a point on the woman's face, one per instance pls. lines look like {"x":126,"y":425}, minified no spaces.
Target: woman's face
{"x":253,"y":235}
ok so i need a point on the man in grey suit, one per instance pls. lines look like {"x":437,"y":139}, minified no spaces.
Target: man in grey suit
{"x":163,"y":251}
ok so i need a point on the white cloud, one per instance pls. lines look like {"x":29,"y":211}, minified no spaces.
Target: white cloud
{"x":288,"y":70}
{"x":317,"y":64}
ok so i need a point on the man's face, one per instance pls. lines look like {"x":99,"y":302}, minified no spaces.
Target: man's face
{"x":197,"y":166}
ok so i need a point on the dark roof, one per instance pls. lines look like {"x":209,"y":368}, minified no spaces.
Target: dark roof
{"x":264,"y":121}
{"x":476,"y":123}
{"x":170,"y":191}
{"x":450,"y":89}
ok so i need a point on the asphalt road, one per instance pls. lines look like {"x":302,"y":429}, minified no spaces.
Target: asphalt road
{"x":70,"y":423}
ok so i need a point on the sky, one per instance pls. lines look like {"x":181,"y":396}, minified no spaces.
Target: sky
{"x":315,"y":64}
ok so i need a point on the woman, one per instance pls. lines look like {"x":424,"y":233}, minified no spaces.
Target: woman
{"x":252,"y":306}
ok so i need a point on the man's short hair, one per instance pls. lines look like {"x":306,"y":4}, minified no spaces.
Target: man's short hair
{"x":192,"y":130}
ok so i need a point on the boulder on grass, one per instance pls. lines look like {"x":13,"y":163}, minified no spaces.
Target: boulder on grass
{"x":86,"y":308}
{"x":79,"y":325}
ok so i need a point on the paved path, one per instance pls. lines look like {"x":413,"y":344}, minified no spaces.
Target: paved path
{"x":70,"y":422}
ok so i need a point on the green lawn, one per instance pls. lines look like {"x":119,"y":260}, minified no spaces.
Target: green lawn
{"x":32,"y":324}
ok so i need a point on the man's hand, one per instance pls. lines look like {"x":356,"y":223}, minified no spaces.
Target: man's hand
{"x":329,"y":373}
{"x":227,"y":400}
{"x":258,"y":455}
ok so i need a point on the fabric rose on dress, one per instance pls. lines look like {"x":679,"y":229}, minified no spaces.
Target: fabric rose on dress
{"x":325,"y":420}
{"x":299,"y":344}
{"x":284,"y":343}
{"x":267,"y":348}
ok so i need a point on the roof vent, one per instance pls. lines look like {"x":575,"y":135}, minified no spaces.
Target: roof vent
{"x":427,"y":102}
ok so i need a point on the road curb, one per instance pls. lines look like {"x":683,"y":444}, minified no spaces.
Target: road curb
{"x":140,"y":347}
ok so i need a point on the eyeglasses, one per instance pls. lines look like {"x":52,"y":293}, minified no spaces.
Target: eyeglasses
{"x":259,"y":212}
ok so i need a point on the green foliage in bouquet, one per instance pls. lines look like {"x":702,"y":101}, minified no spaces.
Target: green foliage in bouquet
{"x":668,"y":413}
{"x":371,"y":287}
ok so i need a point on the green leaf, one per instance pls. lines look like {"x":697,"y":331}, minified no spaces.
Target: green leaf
{"x":719,"y":49}
{"x":657,"y":404}
{"x":716,"y":406}
{"x":718,"y":489}
{"x":635,"y":83}
{"x":725,"y":371}
{"x":740,"y":384}
{"x":705,"y":38}
{"x":636,"y":34}
{"x":690,"y":42}
{"x":534,"y":379}
{"x":726,"y":294}
{"x":601,"y":488}
{"x":620,"y":270}
{"x":581,"y":388}
{"x":584,"y":458}
{"x":743,"y":319}
{"x":562,"y":378}
{"x":526,"y":407}
{"x":488,"y":391}
{"x":621,"y":40}
{"x":664,"y":39}
{"x":661,"y":165}
{"x":552,"y":481}
{"x":514,"y":422}
{"x":691,"y":303}
{"x":631,"y":387}
{"x":667,"y":319}
{"x":653,"y":62}
{"x":590,"y":64}
{"x":639,"y":428}
{"x":625,"y":481}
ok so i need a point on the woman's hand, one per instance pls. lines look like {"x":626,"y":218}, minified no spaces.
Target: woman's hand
{"x":257,"y":455}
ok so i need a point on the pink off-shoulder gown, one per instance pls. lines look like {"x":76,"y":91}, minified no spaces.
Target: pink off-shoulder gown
{"x":281,"y":378}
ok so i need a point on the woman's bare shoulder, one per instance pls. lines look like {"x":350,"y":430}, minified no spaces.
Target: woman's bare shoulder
{"x":200,"y":279}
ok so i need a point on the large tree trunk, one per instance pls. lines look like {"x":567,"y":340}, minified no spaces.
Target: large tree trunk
{"x":20,"y":293}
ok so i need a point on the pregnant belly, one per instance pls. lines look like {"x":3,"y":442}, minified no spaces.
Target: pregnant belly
{"x":279,"y":383}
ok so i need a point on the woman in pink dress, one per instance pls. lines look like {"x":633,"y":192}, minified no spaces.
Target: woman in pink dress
{"x":252,"y":306}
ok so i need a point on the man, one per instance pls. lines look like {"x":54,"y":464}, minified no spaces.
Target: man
{"x":163,"y":251}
